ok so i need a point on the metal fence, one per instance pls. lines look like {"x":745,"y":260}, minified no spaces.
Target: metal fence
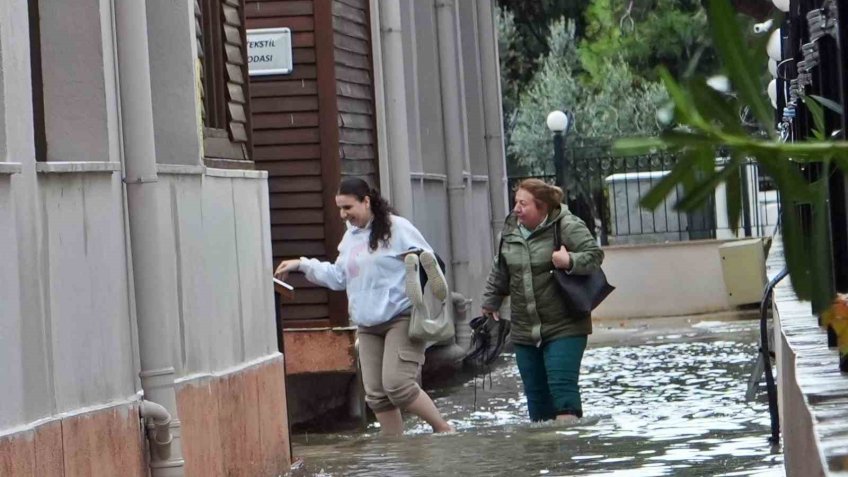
{"x":605,"y":191}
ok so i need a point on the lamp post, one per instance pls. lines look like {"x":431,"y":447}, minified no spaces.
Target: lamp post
{"x":558,"y":122}
{"x":577,"y":200}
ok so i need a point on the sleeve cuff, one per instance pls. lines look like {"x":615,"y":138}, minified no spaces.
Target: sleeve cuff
{"x":303,"y":265}
{"x":493,"y":302}
{"x":569,"y":271}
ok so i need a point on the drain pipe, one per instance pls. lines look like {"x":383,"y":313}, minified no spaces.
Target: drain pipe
{"x":158,"y":428}
{"x":461,"y":306}
{"x":459,"y":192}
{"x":153,"y":306}
{"x":394,"y":80}
{"x":492,"y":114}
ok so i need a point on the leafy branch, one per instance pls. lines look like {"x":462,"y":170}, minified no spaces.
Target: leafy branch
{"x":708,"y":122}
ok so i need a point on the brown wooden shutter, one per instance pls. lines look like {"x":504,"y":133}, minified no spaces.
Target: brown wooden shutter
{"x":355,"y":89}
{"x":226,"y":114}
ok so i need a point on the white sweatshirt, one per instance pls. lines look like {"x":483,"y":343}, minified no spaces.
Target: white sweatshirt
{"x":374,"y":280}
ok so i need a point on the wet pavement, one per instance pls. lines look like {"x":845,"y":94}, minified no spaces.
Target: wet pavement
{"x":668,"y":402}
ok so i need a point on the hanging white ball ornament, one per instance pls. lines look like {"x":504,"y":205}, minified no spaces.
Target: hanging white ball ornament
{"x":773,"y":48}
{"x":772,"y":92}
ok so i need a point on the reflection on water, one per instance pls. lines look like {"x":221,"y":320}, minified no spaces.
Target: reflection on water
{"x":670,"y":406}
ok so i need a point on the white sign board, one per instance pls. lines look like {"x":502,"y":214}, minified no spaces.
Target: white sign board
{"x":269,"y":51}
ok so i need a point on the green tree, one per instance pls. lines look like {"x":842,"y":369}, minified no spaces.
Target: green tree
{"x":530,"y":21}
{"x":672,"y":33}
{"x":523,"y":33}
{"x":512,"y":63}
{"x":598,"y":59}
{"x":623,"y":104}
{"x":709,"y":122}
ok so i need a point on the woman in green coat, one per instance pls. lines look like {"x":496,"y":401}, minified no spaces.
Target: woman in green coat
{"x":549,"y":339}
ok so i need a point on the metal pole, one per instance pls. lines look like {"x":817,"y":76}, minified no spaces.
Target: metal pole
{"x":559,"y":158}
{"x":746,"y":201}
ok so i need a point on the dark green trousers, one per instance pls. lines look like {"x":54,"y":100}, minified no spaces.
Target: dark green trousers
{"x":550,"y":374}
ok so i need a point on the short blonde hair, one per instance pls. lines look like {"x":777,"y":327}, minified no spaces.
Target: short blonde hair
{"x":547,"y":195}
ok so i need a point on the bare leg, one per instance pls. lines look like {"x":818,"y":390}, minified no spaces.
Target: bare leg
{"x":424,"y":408}
{"x":391,"y":423}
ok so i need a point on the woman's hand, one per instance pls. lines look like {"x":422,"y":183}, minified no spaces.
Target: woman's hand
{"x":492,"y":314}
{"x":561,"y":258}
{"x":287,"y":266}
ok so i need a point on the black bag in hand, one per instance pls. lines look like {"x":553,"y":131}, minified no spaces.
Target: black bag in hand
{"x":582,"y":293}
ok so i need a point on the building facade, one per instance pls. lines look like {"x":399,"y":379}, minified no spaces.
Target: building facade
{"x":405,"y":94}
{"x":148,"y":185}
{"x":137,"y":332}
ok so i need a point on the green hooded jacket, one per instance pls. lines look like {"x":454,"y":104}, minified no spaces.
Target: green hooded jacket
{"x":523,"y":272}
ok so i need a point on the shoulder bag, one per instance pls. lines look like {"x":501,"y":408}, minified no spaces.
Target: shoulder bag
{"x":582,"y":293}
{"x":426,"y":326}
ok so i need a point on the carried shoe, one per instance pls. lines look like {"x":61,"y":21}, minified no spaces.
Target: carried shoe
{"x":412,"y":280}
{"x":438,"y":283}
{"x":487,"y":339}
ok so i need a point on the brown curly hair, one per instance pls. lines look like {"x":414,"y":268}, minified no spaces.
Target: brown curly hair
{"x":547,"y":196}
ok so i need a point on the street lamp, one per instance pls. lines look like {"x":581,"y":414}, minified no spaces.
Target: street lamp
{"x":558,"y":122}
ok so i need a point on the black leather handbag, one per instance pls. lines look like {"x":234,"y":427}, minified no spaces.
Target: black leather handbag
{"x":582,"y":293}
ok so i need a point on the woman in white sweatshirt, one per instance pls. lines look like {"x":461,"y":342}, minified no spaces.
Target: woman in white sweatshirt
{"x":370,"y":267}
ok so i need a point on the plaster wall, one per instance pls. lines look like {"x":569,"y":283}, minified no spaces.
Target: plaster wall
{"x":681,"y":278}
{"x":76,"y":52}
{"x":220,"y":244}
{"x":11,"y":344}
{"x":427,"y":103}
{"x":173,"y":59}
{"x":470,"y":52}
{"x":66,"y":317}
{"x":85,"y":288}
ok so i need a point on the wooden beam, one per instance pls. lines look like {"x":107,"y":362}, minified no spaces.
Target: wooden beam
{"x":328,"y":112}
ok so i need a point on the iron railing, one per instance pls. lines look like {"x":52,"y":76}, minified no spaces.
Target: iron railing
{"x":605,"y":190}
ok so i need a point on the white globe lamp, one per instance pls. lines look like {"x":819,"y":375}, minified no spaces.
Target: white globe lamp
{"x":782,"y":5}
{"x":772,"y":67}
{"x":557,"y":121}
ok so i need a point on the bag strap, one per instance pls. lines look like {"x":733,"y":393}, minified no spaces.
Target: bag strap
{"x":557,"y":234}
{"x":500,"y":246}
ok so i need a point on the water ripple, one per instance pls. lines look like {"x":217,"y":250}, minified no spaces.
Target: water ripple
{"x":669,"y":408}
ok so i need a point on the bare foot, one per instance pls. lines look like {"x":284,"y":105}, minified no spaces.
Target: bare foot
{"x":566,"y":418}
{"x":446,"y":429}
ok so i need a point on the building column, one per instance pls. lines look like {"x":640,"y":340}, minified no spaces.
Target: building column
{"x":492,"y":114}
{"x":456,"y":151}
{"x":394,"y":86}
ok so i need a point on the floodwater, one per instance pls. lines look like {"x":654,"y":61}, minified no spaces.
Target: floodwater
{"x":670,"y":404}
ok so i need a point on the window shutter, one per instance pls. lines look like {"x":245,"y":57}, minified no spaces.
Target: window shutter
{"x":235,"y":51}
{"x":198,"y":34}
{"x":222,"y":50}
